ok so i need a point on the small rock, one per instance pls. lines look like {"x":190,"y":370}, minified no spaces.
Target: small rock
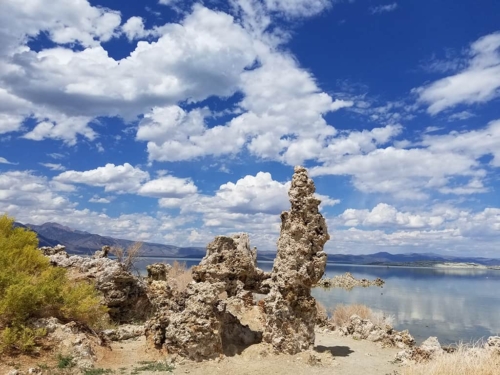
{"x":493,"y":343}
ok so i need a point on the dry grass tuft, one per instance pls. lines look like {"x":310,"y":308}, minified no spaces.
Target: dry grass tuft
{"x":127,"y":258}
{"x":321,"y":314}
{"x":466,"y":360}
{"x":341,"y":314}
{"x":180,"y":275}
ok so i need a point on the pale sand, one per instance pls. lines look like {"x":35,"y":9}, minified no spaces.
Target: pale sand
{"x":338,"y":356}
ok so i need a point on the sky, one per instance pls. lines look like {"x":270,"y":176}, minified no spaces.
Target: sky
{"x":173,"y":121}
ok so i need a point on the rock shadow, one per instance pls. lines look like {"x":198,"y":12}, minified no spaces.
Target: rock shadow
{"x":236,"y":337}
{"x":336,"y":351}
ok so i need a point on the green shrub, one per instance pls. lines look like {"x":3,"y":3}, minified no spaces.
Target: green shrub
{"x":65,"y":361}
{"x":153,"y":367}
{"x":31,"y":288}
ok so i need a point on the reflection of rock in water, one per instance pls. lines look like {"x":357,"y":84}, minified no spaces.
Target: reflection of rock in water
{"x":348,"y":282}
{"x":218,"y":313}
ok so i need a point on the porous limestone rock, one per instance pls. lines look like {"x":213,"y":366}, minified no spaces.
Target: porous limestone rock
{"x":432,"y":346}
{"x":230,"y":260}
{"x":124,"y":294}
{"x":493,"y":343}
{"x":158,"y":271}
{"x":429,"y":349}
{"x":165,"y":301}
{"x":365,"y":329}
{"x":195,"y":332}
{"x":103,"y":253}
{"x":124,"y":332}
{"x":300,"y":263}
{"x":71,"y":340}
{"x":58,"y":249}
{"x":215,"y":314}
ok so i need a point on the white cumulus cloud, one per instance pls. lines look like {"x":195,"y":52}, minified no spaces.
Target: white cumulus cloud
{"x":118,"y":178}
{"x":479,"y":82}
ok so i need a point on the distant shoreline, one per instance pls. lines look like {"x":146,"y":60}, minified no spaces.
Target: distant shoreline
{"x":436,"y":264}
{"x":415,"y":264}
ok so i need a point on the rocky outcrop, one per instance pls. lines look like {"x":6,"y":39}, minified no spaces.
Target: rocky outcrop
{"x":215,"y":314}
{"x":493,"y":344}
{"x":124,"y":294}
{"x":124,"y":332}
{"x":58,"y":249}
{"x":364,"y":329}
{"x":229,"y":260}
{"x":347,"y":281}
{"x":71,"y":341}
{"x":195,"y":332}
{"x":300,"y":263}
{"x":428,"y":350}
{"x":158,"y":271}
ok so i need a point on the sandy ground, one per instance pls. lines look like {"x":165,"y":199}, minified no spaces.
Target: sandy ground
{"x":333,"y":354}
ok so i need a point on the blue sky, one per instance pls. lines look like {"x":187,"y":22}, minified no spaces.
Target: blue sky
{"x":174,"y":121}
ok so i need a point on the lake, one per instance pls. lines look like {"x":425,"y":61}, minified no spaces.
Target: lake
{"x":452,"y":304}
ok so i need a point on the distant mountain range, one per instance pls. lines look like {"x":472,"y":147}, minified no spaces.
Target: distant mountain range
{"x":84,"y":243}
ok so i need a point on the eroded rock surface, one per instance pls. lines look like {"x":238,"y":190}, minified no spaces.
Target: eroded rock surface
{"x":216,"y":314}
{"x":493,"y":343}
{"x":71,"y":341}
{"x":300,"y":263}
{"x":124,"y":293}
{"x":428,"y":350}
{"x":195,"y":332}
{"x":364,"y":329}
{"x":230,"y":260}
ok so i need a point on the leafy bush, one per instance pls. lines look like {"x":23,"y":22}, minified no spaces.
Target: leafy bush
{"x":31,"y":288}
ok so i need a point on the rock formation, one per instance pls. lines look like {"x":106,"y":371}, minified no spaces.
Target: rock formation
{"x":124,"y":294}
{"x":429,"y":349}
{"x":300,"y":263}
{"x":217,"y":313}
{"x":212,"y":316}
{"x":387,"y":336}
{"x":195,"y":332}
{"x":230,"y":260}
{"x":493,"y":344}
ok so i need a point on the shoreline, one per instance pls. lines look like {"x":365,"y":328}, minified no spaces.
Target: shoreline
{"x":416,"y":264}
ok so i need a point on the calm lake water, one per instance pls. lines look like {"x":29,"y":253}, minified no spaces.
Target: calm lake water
{"x":452,"y":304}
